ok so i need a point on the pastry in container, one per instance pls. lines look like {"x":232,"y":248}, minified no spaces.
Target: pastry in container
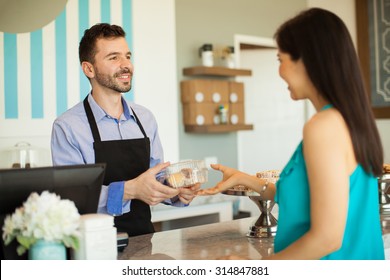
{"x":186,"y":173}
{"x":271,"y":175}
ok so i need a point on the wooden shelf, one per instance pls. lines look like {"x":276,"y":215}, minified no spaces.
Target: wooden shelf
{"x":223,"y":128}
{"x":216,"y":71}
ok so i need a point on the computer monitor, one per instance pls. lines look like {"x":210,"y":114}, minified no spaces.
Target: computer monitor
{"x":78,"y":183}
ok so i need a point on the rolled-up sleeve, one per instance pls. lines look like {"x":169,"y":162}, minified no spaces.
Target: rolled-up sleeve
{"x":115,"y":204}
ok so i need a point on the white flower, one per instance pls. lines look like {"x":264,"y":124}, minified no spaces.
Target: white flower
{"x":43,"y":216}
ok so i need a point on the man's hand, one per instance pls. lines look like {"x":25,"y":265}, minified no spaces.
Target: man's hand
{"x":187,"y":194}
{"x":146,"y":188}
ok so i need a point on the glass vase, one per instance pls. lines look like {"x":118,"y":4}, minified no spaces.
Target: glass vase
{"x":47,"y":250}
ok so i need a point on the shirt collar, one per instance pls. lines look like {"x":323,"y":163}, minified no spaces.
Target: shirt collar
{"x":99,"y":113}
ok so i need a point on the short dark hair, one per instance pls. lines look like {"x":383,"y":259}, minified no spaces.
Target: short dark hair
{"x":87,"y":47}
{"x":322,"y":41}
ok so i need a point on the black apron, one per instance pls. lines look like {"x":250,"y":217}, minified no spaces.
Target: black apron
{"x":125,"y":160}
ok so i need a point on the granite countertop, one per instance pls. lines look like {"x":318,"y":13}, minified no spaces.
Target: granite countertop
{"x":211,"y":242}
{"x":200,"y":242}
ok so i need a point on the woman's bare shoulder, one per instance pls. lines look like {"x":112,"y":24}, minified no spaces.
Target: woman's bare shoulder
{"x":325,"y":124}
{"x":327,"y":130}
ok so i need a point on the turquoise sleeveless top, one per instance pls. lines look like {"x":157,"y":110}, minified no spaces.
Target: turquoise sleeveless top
{"x":363,"y":234}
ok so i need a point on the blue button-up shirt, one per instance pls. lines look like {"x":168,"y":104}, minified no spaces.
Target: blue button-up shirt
{"x":72,"y":143}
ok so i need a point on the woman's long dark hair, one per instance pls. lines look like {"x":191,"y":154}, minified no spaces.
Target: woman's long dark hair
{"x":322,"y":41}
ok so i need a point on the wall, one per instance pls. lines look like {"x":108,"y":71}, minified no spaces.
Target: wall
{"x":27,"y":110}
{"x":155,"y":79}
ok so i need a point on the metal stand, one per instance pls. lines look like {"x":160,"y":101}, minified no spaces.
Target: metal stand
{"x":266,"y":224}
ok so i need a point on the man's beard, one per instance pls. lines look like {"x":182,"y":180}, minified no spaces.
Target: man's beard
{"x":111,"y":83}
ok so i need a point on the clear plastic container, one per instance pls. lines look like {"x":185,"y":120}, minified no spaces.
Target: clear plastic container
{"x":186,"y":173}
{"x":24,"y":155}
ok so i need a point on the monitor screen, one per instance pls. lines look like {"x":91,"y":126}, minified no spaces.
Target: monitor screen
{"x":78,"y":183}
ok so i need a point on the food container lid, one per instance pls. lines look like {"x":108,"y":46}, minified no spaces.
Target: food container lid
{"x":186,"y":173}
{"x":207,"y":47}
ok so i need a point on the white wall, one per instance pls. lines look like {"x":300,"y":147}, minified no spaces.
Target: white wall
{"x":155,"y":80}
{"x":278,"y":122}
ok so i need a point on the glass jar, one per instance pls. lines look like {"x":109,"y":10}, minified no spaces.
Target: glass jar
{"x":206,"y":54}
{"x":47,"y":250}
{"x":229,"y":57}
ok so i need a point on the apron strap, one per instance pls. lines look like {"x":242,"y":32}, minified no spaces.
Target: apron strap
{"x":139,"y":123}
{"x":91,"y":120}
{"x":93,"y":125}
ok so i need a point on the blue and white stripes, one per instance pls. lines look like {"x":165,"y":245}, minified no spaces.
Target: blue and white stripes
{"x":36,"y":52}
{"x":40,"y":75}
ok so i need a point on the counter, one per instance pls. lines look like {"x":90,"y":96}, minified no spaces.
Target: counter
{"x":209,"y":242}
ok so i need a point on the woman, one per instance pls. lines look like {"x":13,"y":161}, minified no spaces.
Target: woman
{"x":327,"y":193}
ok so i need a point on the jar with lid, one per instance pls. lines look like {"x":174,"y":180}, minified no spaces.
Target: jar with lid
{"x":206,"y":54}
{"x":228,"y":57}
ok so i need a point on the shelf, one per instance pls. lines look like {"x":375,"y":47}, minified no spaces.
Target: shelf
{"x":216,"y":71}
{"x":217,"y":128}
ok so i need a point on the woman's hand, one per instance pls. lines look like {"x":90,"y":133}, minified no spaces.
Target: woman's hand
{"x":231,"y":178}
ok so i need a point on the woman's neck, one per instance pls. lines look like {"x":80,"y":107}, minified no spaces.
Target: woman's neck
{"x":319,"y":102}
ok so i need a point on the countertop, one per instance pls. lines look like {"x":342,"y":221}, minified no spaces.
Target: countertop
{"x":211,"y":241}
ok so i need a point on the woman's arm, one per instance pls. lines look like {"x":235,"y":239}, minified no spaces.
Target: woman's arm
{"x":233,"y":177}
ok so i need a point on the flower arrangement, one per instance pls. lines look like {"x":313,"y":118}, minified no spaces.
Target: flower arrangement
{"x":44,"y":216}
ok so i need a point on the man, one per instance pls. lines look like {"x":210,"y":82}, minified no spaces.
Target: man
{"x":105,"y":128}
